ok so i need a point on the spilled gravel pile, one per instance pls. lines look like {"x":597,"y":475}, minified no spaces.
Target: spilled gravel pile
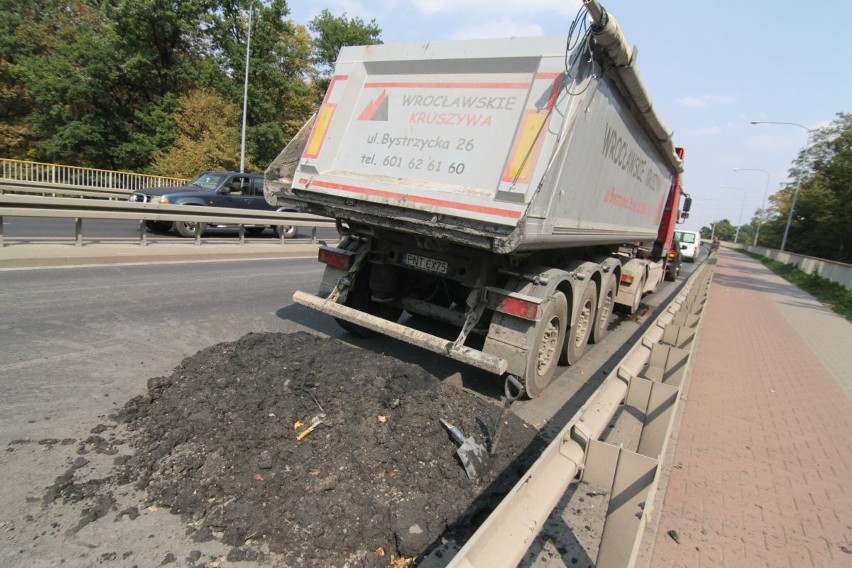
{"x":298,"y":450}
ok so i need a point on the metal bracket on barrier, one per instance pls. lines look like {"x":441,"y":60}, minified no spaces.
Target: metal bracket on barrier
{"x":678,"y":336}
{"x":630,"y":478}
{"x":667,"y":364}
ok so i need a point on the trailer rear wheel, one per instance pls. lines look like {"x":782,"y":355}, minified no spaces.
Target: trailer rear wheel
{"x":607,"y":304}
{"x":637,"y":299}
{"x":543,"y":358}
{"x":575,"y":344}
{"x":360,"y":298}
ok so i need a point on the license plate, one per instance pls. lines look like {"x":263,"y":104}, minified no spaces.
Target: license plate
{"x":427,"y":264}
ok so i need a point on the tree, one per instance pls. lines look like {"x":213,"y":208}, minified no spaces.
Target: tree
{"x":332,"y":33}
{"x":822,"y":220}
{"x":208,"y":139}
{"x":96,"y":82}
{"x":14,"y":102}
{"x":280,"y":97}
{"x":75,"y":118}
{"x":95,"y":76}
{"x":723,"y":229}
{"x":335,"y":32}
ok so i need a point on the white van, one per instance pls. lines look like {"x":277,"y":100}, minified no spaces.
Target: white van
{"x":688,"y":241}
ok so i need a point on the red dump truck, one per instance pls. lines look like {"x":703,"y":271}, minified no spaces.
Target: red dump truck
{"x":517,"y":189}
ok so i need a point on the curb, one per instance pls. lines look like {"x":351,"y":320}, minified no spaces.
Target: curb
{"x":65,"y":255}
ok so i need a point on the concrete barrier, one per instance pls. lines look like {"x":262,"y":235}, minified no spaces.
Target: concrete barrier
{"x":837,"y":272}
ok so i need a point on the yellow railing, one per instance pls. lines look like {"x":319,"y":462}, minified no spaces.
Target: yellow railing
{"x":82,"y":177}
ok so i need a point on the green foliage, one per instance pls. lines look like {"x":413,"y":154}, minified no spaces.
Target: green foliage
{"x":835,"y":296}
{"x":723,"y":229}
{"x":335,"y":32}
{"x":208,"y":139}
{"x":332,"y":33}
{"x":97,"y":82}
{"x":822,"y":219}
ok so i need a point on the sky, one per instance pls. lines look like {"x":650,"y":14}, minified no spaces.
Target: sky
{"x":710,"y":67}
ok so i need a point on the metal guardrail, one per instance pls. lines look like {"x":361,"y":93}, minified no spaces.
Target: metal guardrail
{"x":38,"y":172}
{"x":76,"y":208}
{"x":649,"y":381}
{"x":53,"y":190}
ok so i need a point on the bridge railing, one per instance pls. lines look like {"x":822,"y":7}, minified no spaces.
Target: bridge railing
{"x":39,"y":172}
{"x":79,"y":208}
{"x":14,"y":187}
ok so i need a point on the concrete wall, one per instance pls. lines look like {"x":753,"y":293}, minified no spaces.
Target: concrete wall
{"x":834,"y":271}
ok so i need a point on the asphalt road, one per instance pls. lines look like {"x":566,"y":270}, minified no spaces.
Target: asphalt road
{"x":80,"y":342}
{"x":93,"y":336}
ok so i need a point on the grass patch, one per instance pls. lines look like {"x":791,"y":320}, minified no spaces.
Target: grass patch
{"x":832,"y":294}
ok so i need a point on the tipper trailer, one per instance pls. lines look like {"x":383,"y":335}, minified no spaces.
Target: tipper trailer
{"x":518,"y":189}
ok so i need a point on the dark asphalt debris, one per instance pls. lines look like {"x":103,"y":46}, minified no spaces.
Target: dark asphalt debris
{"x":309,"y":450}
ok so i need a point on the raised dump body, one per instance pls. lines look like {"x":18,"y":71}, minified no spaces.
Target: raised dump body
{"x":492,"y":143}
{"x":487,"y":184}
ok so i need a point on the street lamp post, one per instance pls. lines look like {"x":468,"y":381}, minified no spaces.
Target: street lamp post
{"x":245,"y":98}
{"x":763,"y":205}
{"x":798,"y":177}
{"x":740,"y":220}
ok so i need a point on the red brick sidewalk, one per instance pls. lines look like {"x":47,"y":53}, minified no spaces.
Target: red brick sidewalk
{"x":762,"y":470}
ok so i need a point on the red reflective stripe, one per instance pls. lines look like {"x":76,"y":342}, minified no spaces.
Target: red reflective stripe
{"x":418,"y":199}
{"x":334,"y":80}
{"x":442,"y":85}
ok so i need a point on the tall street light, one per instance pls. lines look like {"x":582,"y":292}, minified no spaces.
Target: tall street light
{"x":740,"y":221}
{"x":245,"y":97}
{"x":763,"y":206}
{"x":798,"y":177}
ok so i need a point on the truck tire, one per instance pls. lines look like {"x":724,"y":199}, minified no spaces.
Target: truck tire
{"x":549,"y":336}
{"x":605,"y":309}
{"x":638,"y":298}
{"x":673,"y":272}
{"x":578,"y":338}
{"x":359,"y":299}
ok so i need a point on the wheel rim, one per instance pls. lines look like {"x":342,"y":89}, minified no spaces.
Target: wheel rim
{"x":547,"y":346}
{"x":582,"y":324}
{"x":606,"y":309}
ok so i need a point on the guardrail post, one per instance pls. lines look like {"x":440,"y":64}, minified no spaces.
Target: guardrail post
{"x":242,"y":234}
{"x":313,"y":235}
{"x":1,"y":230}
{"x":78,"y":230}
{"x":143,"y":234}
{"x":197,"y":235}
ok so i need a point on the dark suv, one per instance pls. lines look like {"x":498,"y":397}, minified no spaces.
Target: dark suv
{"x":211,"y":189}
